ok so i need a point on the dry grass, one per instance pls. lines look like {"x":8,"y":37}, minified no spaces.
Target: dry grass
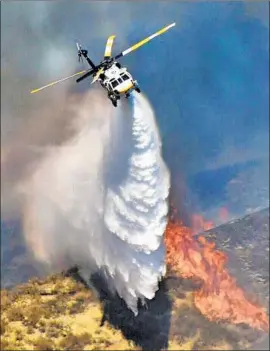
{"x":57,"y":313}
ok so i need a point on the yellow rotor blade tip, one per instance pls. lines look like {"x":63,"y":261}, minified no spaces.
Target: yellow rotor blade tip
{"x":34,"y":91}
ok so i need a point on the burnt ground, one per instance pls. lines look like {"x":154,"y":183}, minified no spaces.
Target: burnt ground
{"x":246,"y":242}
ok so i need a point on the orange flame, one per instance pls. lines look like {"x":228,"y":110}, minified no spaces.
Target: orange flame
{"x":219,"y":297}
{"x":199,"y":224}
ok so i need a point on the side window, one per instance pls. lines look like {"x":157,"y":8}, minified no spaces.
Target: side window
{"x":120,"y":80}
{"x":125,"y":77}
{"x":114,"y":83}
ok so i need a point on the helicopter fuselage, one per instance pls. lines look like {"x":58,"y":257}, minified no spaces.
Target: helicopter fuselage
{"x":117,"y":80}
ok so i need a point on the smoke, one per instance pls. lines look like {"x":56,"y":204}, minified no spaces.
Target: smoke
{"x":99,"y":201}
{"x":38,"y":46}
{"x":215,"y":63}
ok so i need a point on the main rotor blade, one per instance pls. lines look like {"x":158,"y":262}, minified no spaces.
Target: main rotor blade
{"x":108,"y":49}
{"x":85,"y":75}
{"x":144,"y":41}
{"x":56,"y":82}
{"x":101,"y":70}
{"x":90,"y":62}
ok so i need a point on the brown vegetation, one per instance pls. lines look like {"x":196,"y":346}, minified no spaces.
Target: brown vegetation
{"x":57,"y":313}
{"x":60,"y":313}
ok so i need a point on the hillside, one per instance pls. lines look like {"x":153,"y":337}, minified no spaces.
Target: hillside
{"x":56,"y":313}
{"x":59,"y":312}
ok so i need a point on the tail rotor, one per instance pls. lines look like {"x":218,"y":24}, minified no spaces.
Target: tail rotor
{"x":84,"y":53}
{"x":79,"y":48}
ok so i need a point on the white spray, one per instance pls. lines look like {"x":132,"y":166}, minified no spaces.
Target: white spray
{"x":100,"y":200}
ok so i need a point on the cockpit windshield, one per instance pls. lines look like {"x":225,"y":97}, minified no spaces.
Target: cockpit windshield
{"x":125,"y":76}
{"x":119,"y":80}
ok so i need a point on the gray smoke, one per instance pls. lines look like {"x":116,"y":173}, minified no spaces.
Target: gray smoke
{"x":38,"y":46}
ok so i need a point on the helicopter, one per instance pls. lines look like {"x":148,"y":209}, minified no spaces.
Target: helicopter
{"x":114,"y":78}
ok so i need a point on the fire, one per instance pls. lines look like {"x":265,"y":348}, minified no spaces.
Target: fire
{"x":219,"y":297}
{"x":199,"y":224}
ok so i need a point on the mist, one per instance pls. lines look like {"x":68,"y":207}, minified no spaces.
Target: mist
{"x":99,"y":202}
